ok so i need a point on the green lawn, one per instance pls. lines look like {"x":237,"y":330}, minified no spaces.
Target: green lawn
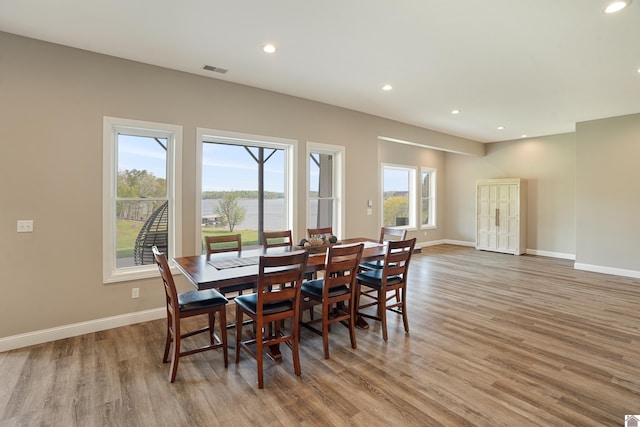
{"x":127,"y":233}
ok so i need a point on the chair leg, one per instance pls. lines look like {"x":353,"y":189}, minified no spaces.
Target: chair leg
{"x":352,"y":323}
{"x":259,"y":354}
{"x":405,"y":319}
{"x":167,"y":345}
{"x":223,"y":335}
{"x":175,"y":357}
{"x":295,"y":331}
{"x":238,"y":332}
{"x":382,"y":308}
{"x":325,"y":329}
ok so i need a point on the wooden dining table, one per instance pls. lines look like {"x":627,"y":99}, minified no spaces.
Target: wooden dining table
{"x":227,"y":270}
{"x":237,"y":268}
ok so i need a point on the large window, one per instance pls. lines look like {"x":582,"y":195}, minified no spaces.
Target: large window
{"x":244,"y":187}
{"x":325,"y":171}
{"x":141,"y":206}
{"x":399,"y":196}
{"x":428,"y":198}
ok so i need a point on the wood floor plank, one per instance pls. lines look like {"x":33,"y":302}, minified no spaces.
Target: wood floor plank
{"x":494,"y":340}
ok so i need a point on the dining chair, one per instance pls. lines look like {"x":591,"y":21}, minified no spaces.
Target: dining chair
{"x":386,"y":234}
{"x":320,"y":232}
{"x":222,"y":244}
{"x":189,"y":304}
{"x":226,"y":243}
{"x":337,"y":291}
{"x":275,"y":239}
{"x":392,"y":277}
{"x":276,"y":299}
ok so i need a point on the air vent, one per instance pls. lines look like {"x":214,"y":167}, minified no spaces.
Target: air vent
{"x":215,"y":69}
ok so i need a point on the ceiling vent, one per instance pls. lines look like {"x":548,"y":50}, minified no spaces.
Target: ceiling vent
{"x":215,"y":69}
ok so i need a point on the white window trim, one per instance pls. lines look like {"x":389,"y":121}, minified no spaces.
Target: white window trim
{"x":290,"y":147}
{"x":413,"y":205}
{"x":434,"y":200}
{"x":339,"y":157}
{"x":111,"y":125}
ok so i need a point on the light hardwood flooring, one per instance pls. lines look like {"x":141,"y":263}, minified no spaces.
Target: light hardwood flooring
{"x":495,"y":340}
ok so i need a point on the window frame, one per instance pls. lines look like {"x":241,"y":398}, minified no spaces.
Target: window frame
{"x":412,"y":191}
{"x":112,"y":126}
{"x":290,"y":147}
{"x":432,"y":199}
{"x":338,"y":181}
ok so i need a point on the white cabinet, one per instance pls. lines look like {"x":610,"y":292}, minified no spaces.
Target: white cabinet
{"x":501,"y":208}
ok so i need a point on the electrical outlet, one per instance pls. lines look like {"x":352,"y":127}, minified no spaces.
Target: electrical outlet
{"x":25,"y":226}
{"x":135,"y":292}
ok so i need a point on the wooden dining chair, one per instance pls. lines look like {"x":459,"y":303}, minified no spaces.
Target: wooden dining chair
{"x":386,"y":234}
{"x":275,"y":239}
{"x":189,"y":304}
{"x":320,"y":232}
{"x":392,"y":277}
{"x":337,"y":291}
{"x":277,"y":298}
{"x":227,"y":243}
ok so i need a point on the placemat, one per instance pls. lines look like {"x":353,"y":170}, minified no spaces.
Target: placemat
{"x":234,"y":262}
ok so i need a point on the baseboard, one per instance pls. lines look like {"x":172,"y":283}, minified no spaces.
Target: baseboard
{"x":551,"y":254}
{"x":607,"y":270}
{"x":66,"y":331}
{"x":459,"y":243}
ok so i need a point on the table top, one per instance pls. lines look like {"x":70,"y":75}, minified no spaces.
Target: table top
{"x":203,"y":275}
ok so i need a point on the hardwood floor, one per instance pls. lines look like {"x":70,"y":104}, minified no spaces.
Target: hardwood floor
{"x":495,"y":340}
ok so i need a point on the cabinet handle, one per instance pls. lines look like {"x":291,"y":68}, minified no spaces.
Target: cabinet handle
{"x":497,"y":217}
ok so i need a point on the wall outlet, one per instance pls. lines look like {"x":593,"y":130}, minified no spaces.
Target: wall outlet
{"x":25,"y":226}
{"x":135,"y":292}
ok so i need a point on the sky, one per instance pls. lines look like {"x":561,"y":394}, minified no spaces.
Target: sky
{"x":227,"y":167}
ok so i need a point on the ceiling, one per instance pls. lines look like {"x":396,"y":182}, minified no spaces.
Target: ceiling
{"x":535,"y":67}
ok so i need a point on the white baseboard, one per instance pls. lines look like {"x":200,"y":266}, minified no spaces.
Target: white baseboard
{"x":459,"y":243}
{"x":66,"y":331}
{"x":551,"y":254}
{"x":607,"y":270}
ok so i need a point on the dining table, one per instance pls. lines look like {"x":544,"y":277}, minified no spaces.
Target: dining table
{"x":226,"y":270}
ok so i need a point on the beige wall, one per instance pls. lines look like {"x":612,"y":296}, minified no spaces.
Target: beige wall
{"x":608,"y":195}
{"x":548,"y":165}
{"x":54,"y":99}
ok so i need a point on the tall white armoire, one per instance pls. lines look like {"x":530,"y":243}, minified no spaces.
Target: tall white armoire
{"x":501,"y":208}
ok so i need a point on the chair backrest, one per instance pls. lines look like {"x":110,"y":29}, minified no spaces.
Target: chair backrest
{"x":280,"y":278}
{"x":227,"y":243}
{"x":167,"y":278}
{"x":274,"y":239}
{"x":389,"y":233}
{"x":396,"y":260}
{"x":319,"y":232}
{"x":341,"y":267}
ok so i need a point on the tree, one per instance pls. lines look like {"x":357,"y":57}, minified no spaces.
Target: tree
{"x":229,"y":210}
{"x":394,"y":207}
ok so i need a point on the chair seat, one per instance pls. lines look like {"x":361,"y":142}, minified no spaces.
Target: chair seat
{"x":197,"y":300}
{"x":314,"y":288}
{"x":250,"y":302}
{"x":373,"y":265}
{"x":373,"y":279}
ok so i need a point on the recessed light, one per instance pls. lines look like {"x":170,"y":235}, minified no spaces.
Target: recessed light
{"x":455,"y":111}
{"x":524,"y":135}
{"x":616,"y":6}
{"x":500,"y":127}
{"x":387,"y":87}
{"x":269,"y":48}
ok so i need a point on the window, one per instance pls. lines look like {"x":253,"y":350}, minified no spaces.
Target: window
{"x":428,"y":198}
{"x":245,"y":185}
{"x":141,"y":203}
{"x":398,"y":195}
{"x":325,"y":189}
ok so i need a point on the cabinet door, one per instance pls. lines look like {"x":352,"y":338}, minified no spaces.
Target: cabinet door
{"x":486,"y":217}
{"x":508,"y":215}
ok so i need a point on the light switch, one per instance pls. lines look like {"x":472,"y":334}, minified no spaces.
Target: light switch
{"x":369,"y":203}
{"x":369,"y":211}
{"x":25,"y":226}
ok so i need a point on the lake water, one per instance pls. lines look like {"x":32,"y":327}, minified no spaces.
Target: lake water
{"x":274,"y":215}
